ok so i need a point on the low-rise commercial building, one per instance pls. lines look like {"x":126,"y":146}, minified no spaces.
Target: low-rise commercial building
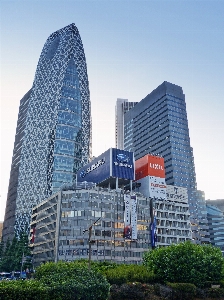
{"x":59,"y":223}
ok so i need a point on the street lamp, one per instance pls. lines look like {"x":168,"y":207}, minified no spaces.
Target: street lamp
{"x":89,"y":240}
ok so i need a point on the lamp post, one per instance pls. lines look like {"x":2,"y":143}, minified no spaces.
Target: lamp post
{"x":89,"y":240}
{"x":22,"y":265}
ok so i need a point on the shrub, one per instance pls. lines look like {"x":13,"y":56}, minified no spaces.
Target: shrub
{"x":73,"y":280}
{"x":58,"y":281}
{"x":216,"y":293}
{"x":185,"y":263}
{"x":127,"y":291}
{"x":183,"y":291}
{"x":23,"y":289}
{"x":128,"y":273}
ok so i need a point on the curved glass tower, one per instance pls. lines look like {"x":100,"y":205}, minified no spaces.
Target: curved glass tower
{"x":57,"y":134}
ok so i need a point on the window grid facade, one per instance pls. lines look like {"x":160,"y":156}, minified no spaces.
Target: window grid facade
{"x":76,"y":211}
{"x":57,"y":134}
{"x":158,"y":125}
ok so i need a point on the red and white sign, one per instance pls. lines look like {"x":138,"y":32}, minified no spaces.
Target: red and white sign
{"x":149,"y":165}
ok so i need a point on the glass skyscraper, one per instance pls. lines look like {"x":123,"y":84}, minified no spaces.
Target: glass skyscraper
{"x":56,"y":136}
{"x":216,"y":225}
{"x":158,"y":125}
{"x":122,"y":106}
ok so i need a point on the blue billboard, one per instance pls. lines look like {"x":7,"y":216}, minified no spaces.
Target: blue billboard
{"x":112,"y":163}
{"x":123,"y":165}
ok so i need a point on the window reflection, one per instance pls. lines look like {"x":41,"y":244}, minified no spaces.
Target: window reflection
{"x":64,"y":147}
{"x":63,"y":177}
{"x":63,"y":163}
{"x":66,"y":132}
{"x":70,"y":92}
{"x":70,"y":105}
{"x":68,"y":118}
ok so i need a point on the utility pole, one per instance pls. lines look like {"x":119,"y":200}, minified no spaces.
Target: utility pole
{"x":90,"y":241}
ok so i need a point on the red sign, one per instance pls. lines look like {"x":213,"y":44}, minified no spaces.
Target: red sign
{"x":149,"y":165}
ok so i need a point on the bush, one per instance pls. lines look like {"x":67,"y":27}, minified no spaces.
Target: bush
{"x":185,"y":291}
{"x":185,"y":263}
{"x":216,"y":293}
{"x":128,"y":291}
{"x":23,"y":290}
{"x":128,"y":273}
{"x":73,"y":280}
{"x":164,"y":291}
{"x":58,"y":281}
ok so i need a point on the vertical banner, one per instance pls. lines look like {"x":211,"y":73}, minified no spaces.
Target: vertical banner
{"x":153,"y":233}
{"x":134,"y":217}
{"x":127,"y":216}
{"x":130,"y":217}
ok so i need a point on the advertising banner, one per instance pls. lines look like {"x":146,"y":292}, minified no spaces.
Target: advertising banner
{"x":130,"y":217}
{"x":127,"y":216}
{"x":97,"y":170}
{"x":178,"y":194}
{"x":153,"y":233}
{"x":134,"y":217}
{"x":157,"y":187}
{"x":123,"y":165}
{"x":149,"y":165}
{"x":112,"y":163}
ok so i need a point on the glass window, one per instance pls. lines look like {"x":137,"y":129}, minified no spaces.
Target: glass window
{"x":71,"y":80}
{"x":64,"y":147}
{"x":63,"y":177}
{"x":70,"y":105}
{"x":62,"y":163}
{"x":70,"y":92}
{"x":66,"y":132}
{"x":69,"y":118}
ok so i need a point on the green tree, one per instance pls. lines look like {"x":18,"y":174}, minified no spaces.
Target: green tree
{"x":11,"y":255}
{"x":6,"y":259}
{"x":186,"y":263}
{"x":1,"y":249}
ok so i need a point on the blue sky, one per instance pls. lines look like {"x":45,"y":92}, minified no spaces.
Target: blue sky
{"x":131,"y":47}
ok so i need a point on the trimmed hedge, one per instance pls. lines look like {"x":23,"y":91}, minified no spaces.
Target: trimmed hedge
{"x":128,"y":273}
{"x":23,"y":290}
{"x":58,"y":281}
{"x":131,"y":291}
{"x":182,"y":290}
{"x":122,"y":273}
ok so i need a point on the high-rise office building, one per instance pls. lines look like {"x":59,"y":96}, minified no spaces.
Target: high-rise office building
{"x":158,"y":125}
{"x":56,"y":137}
{"x":8,"y":229}
{"x":216,"y":223}
{"x":122,"y":106}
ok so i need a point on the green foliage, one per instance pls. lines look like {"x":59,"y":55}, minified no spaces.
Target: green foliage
{"x":182,"y":290}
{"x":58,"y":281}
{"x":185,"y":263}
{"x":216,"y":293}
{"x":129,"y":291}
{"x":23,"y":290}
{"x":128,"y":273}
{"x":73,"y":280}
{"x":121,"y":273}
{"x":11,"y":254}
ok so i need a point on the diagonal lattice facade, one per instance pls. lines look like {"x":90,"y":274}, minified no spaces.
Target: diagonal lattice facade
{"x":57,"y":138}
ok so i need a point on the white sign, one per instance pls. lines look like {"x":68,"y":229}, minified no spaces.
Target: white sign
{"x":130,"y":217}
{"x":157,"y":187}
{"x":134,"y":217}
{"x":177,"y":194}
